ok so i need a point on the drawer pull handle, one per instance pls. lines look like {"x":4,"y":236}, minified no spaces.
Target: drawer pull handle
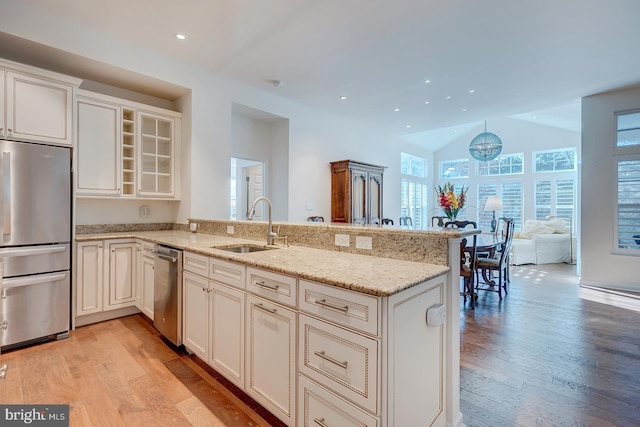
{"x":324,"y":303}
{"x":268,"y":286}
{"x":268,"y":310}
{"x":321,"y":355}
{"x":320,"y":422}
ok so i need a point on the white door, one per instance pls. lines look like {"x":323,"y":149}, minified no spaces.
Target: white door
{"x":255,"y":188}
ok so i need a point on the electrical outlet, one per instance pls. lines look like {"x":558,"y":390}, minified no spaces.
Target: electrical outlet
{"x":230,"y":229}
{"x":364,"y":242}
{"x":342,"y":240}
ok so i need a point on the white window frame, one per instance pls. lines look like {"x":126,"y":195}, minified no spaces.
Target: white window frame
{"x":498,"y":159}
{"x":558,"y":150}
{"x":419,"y":214}
{"x":616,"y":217}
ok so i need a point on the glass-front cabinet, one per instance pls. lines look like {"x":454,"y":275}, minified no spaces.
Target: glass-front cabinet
{"x":156,"y":156}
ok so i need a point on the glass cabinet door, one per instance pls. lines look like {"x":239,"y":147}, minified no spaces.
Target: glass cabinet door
{"x":156,"y":155}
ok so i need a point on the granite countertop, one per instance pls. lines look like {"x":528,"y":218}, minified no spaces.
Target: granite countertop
{"x":362,"y":273}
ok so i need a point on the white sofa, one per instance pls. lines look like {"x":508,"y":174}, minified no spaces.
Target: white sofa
{"x":541,"y":242}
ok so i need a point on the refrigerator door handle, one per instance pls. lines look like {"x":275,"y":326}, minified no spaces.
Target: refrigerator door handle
{"x":6,"y":193}
{"x":17,"y":252}
{"x":32,"y":280}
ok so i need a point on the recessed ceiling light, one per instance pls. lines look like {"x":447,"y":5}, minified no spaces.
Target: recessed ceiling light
{"x":426,"y":102}
{"x":181,"y":36}
{"x":464,"y":109}
{"x":408,"y":126}
{"x":396,"y":109}
{"x":534,"y":117}
{"x":472,"y":91}
{"x":448,"y":97}
{"x":427,"y":81}
{"x":343,"y":97}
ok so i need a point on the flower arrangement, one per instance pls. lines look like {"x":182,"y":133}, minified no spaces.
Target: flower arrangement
{"x":449,"y":201}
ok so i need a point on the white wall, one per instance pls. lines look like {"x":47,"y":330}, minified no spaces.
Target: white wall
{"x":600,"y":266}
{"x":314,"y":138}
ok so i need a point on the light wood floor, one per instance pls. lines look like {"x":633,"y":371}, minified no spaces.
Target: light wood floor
{"x":541,"y":357}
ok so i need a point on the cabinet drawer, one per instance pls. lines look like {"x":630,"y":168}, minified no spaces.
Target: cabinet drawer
{"x":195,"y":263}
{"x":348,"y":308}
{"x":226,"y":272}
{"x":341,"y":360}
{"x":318,"y":406}
{"x":147,"y":249}
{"x":273,"y":286}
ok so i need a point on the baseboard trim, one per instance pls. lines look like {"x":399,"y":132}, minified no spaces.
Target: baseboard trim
{"x":614,"y":297}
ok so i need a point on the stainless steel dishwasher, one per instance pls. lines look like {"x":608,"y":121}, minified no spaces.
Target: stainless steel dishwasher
{"x":167,"y":300}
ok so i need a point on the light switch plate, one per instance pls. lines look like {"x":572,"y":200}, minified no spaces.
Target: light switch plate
{"x":230,"y":229}
{"x":364,"y":242}
{"x":342,"y":240}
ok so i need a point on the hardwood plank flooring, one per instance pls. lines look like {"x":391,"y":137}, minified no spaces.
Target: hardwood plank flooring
{"x":543,"y":356}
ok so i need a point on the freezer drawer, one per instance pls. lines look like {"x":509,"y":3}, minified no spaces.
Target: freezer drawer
{"x":27,"y":260}
{"x":34,"y":307}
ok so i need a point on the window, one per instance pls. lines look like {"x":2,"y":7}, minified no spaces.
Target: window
{"x":412,"y":165}
{"x":455,"y":169}
{"x":511,"y":195}
{"x":556,"y":197}
{"x":555,"y":161}
{"x":628,"y":215}
{"x":414,"y":190}
{"x":509,"y":164}
{"x":628,"y":129}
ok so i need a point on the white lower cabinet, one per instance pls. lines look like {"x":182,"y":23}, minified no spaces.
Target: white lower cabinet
{"x":196,"y":312}
{"x":226,"y":323}
{"x":367,"y":360}
{"x":147,"y":279}
{"x":122,"y":268}
{"x":89,"y":277}
{"x":214,"y":317}
{"x":271,"y":357}
{"x":320,"y":407}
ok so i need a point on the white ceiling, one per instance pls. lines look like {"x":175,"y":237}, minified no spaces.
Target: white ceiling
{"x":518,"y":56}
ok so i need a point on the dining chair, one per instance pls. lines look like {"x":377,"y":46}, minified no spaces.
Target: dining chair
{"x":315,"y":218}
{"x":468,"y":265}
{"x":498,"y":263}
{"x":387,"y":221}
{"x":438,"y":221}
{"x":460,"y":224}
{"x":405,"y":220}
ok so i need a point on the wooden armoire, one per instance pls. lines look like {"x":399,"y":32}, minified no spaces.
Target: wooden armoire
{"x":356,"y":192}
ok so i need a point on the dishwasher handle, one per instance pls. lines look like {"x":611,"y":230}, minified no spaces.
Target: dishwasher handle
{"x":167,"y":257}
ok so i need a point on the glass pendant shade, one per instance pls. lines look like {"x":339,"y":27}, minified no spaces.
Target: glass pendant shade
{"x":486,"y":146}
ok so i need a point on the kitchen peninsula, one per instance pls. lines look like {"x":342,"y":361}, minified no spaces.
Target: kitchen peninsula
{"x":356,"y":341}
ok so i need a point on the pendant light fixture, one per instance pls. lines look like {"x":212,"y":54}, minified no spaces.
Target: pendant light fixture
{"x":486,"y":146}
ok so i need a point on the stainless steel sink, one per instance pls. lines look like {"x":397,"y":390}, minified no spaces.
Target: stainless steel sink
{"x":243,"y":249}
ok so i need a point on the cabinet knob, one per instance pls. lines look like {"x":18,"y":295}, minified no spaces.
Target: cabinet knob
{"x":4,"y":325}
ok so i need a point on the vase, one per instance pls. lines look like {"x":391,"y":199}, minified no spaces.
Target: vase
{"x":451,"y":214}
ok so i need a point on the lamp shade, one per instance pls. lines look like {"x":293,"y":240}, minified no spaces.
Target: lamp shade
{"x":486,"y":146}
{"x":493,"y":204}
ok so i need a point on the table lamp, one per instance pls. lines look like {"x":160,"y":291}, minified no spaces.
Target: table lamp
{"x":493,"y":204}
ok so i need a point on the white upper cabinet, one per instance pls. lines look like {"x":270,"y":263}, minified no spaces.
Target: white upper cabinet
{"x":37,"y":105}
{"x":126,"y":149}
{"x":98,"y":150}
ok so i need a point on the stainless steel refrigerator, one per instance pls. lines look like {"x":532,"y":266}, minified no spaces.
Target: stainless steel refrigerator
{"x":35,"y":226}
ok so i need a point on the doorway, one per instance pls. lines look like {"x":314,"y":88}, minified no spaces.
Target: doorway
{"x":247,"y":184}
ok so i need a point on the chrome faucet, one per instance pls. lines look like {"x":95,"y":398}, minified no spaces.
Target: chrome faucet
{"x":270,"y":234}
